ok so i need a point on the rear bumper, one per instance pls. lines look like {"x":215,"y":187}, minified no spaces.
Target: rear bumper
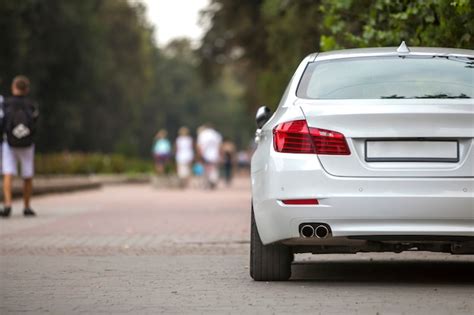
{"x":358,"y":206}
{"x":361,"y":216}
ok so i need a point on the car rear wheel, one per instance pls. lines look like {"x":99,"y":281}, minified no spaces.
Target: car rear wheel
{"x":268,"y":262}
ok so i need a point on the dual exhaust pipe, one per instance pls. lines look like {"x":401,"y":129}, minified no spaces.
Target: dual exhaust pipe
{"x":318,"y":230}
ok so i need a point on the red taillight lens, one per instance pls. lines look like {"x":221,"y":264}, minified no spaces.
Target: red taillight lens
{"x":292,"y":137}
{"x":329,"y":142}
{"x":296,"y":137}
{"x":301,"y":202}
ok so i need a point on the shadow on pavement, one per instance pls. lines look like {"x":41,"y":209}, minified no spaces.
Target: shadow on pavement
{"x":447,"y":272}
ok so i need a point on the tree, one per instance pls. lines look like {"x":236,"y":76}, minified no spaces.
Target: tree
{"x":102,"y":84}
{"x":442,"y":23}
{"x":89,"y":62}
{"x":263,"y":41}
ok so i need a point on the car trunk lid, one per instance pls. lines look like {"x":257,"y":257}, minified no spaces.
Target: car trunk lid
{"x":398,"y":138}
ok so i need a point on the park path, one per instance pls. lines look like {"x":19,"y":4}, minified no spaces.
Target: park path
{"x":139,"y":250}
{"x":132,"y":219}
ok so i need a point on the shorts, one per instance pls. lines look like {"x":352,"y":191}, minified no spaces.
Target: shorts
{"x":184,"y":170}
{"x":162,"y":158}
{"x":12,"y":156}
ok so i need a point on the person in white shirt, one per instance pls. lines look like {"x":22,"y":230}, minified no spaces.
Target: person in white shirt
{"x":209,"y":147}
{"x":184,"y":155}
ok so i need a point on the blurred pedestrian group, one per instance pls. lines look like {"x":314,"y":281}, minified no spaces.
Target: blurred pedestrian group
{"x":18,"y":117}
{"x":206,"y":158}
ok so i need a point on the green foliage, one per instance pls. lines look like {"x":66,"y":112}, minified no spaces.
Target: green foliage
{"x":91,"y":163}
{"x":101,"y":82}
{"x":88,"y":61}
{"x":285,"y":31}
{"x":184,"y":100}
{"x":443,"y":23}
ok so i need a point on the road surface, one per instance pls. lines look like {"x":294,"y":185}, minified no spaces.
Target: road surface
{"x":140,"y":250}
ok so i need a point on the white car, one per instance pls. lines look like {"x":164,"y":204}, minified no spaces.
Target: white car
{"x":369,"y":150}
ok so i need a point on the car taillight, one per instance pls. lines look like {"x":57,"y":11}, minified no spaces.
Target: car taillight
{"x":296,"y":137}
{"x":292,"y":137}
{"x":301,"y":202}
{"x":329,"y":142}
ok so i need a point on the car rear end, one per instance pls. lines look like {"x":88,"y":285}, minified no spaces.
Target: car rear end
{"x":395,"y":184}
{"x":371,"y":150}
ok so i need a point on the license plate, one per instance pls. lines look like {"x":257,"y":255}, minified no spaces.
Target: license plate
{"x":411,"y":151}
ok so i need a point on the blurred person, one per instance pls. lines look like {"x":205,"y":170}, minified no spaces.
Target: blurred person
{"x":198,"y":166}
{"x":228,"y":156}
{"x":209,"y":146}
{"x":184,"y":155}
{"x":199,"y":159}
{"x":20,"y":117}
{"x":161,"y":151}
{"x":243,"y":161}
{"x":1,"y":131}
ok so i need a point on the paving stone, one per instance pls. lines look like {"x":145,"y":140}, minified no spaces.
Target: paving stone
{"x":140,"y":250}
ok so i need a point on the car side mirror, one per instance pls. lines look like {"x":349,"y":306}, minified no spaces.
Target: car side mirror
{"x":263,"y":115}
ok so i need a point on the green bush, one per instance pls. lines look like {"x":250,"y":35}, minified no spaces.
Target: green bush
{"x":89,"y":163}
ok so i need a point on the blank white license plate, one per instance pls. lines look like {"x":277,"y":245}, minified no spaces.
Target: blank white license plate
{"x":411,"y":151}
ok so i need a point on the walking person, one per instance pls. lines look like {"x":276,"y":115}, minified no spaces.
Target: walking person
{"x":161,"y":151}
{"x":228,"y":154}
{"x":209,"y":146}
{"x":184,"y":155}
{"x":1,"y":131}
{"x":20,"y":117}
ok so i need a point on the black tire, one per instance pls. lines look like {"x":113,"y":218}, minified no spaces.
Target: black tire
{"x":268,"y":262}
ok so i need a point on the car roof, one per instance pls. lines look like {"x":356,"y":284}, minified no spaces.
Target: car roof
{"x":392,"y":51}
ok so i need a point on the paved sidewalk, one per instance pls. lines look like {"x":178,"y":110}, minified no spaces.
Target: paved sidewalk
{"x":132,"y":219}
{"x":140,"y":250}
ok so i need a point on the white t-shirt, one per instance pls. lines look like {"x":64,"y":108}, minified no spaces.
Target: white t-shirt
{"x":184,"y":149}
{"x":209,"y":141}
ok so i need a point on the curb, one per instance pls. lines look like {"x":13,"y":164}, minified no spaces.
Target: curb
{"x":61,"y":184}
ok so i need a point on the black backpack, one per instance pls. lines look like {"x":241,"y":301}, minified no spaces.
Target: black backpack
{"x":2,"y":115}
{"x":20,"y":120}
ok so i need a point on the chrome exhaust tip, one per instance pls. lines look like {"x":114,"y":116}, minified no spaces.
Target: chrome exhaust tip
{"x":321,"y":231}
{"x":307,"y":231}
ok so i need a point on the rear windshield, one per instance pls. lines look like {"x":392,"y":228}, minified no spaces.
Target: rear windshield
{"x":389,"y":77}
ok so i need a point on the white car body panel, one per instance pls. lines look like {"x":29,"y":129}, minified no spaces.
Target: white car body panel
{"x":375,"y":119}
{"x":356,"y":206}
{"x":360,"y":198}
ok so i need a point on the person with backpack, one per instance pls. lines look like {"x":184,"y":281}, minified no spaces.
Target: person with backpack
{"x":1,"y":131}
{"x":20,"y":117}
